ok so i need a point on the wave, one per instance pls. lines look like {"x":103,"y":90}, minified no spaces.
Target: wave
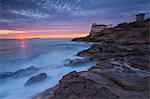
{"x":50,"y":59}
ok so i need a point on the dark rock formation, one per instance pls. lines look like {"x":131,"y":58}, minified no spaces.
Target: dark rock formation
{"x":100,"y":82}
{"x":122,"y":71}
{"x":81,"y":39}
{"x":136,"y":55}
{"x":4,"y":75}
{"x":19,"y":73}
{"x":75,"y":86}
{"x":78,"y":62}
{"x":35,"y":79}
{"x":27,"y":71}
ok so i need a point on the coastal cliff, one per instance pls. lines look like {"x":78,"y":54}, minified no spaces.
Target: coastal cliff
{"x":122,"y":69}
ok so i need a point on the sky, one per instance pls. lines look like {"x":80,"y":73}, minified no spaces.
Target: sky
{"x":63,"y":18}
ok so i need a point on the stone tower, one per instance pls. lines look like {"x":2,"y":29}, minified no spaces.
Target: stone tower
{"x":140,"y":17}
{"x":140,"y":20}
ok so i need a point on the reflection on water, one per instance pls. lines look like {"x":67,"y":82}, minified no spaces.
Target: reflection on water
{"x":22,"y":44}
{"x":23,"y":47}
{"x":25,"y":52}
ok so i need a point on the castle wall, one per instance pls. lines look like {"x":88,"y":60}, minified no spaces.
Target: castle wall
{"x":96,"y":29}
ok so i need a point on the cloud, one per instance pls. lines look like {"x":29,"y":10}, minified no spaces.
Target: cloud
{"x":10,"y":32}
{"x":44,"y":13}
{"x":30,"y":13}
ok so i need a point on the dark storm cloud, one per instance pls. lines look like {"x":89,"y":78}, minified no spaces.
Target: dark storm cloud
{"x":40,"y":13}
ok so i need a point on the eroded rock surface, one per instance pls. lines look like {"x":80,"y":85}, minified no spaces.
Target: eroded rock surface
{"x":35,"y":79}
{"x":76,"y":86}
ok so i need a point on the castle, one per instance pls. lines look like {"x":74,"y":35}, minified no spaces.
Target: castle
{"x":97,"y":28}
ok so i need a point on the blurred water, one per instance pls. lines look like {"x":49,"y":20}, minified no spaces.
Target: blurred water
{"x":48,"y":54}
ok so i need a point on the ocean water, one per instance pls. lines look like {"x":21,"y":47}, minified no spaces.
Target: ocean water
{"x":49,"y":55}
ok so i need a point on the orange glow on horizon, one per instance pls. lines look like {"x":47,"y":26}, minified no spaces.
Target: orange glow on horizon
{"x":21,"y":37}
{"x":28,"y":35}
{"x":58,"y":36}
{"x":48,"y":36}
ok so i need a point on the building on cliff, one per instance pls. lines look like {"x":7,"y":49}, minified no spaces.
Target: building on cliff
{"x":96,"y":28}
{"x":140,"y":19}
{"x":140,"y":22}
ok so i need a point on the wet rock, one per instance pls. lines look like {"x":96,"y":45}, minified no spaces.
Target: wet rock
{"x":78,"y":62}
{"x":25,"y":72}
{"x":84,"y":53}
{"x":72,"y":74}
{"x":19,"y":73}
{"x":35,"y":79}
{"x":81,"y":39}
{"x":100,"y":67}
{"x":4,"y":75}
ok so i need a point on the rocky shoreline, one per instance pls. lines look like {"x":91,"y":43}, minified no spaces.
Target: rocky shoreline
{"x":122,"y":70}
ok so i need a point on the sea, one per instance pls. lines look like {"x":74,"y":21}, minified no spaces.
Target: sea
{"x":50,"y":56}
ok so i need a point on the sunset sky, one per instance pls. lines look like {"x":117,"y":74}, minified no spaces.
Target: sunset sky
{"x":63,"y":18}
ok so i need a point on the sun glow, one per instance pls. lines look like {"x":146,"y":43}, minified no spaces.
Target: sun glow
{"x":42,"y":34}
{"x":22,"y":37}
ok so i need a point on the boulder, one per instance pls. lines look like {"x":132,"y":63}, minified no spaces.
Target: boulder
{"x":35,"y":79}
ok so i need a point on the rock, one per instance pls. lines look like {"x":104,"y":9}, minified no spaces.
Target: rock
{"x":91,"y":85}
{"x":78,"y":62}
{"x":106,"y":93}
{"x":81,"y":39}
{"x":4,"y":75}
{"x":35,"y":79}
{"x":100,"y":67}
{"x":84,"y":53}
{"x":19,"y":73}
{"x":76,"y":86}
{"x":122,"y":71}
{"x":72,"y":74}
{"x":130,"y":82}
{"x":140,"y":62}
{"x":73,"y":86}
{"x":129,"y":78}
{"x":124,"y":75}
{"x":25,"y":72}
